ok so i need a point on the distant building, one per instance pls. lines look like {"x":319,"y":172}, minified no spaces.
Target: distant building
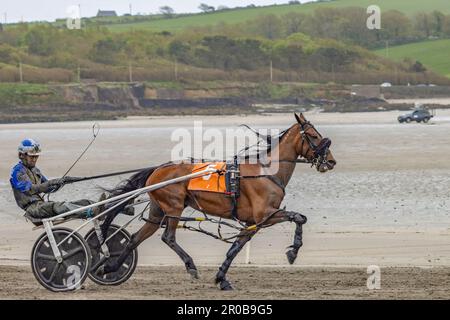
{"x":106,"y":13}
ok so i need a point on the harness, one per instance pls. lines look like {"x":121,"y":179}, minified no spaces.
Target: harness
{"x":219,"y":236}
{"x":232,"y":181}
{"x":232,"y":169}
{"x":319,"y":156}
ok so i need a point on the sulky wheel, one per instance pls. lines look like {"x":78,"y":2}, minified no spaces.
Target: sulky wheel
{"x":71,"y":272}
{"x":116,"y":245}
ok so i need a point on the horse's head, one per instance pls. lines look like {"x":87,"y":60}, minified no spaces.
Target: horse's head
{"x":313,"y":146}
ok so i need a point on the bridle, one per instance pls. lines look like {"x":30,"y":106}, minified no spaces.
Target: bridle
{"x":320,"y":151}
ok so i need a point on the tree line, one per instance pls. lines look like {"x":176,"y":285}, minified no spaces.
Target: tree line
{"x":324,"y":46}
{"x":344,"y":24}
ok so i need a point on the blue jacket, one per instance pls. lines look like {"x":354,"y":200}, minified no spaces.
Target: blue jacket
{"x":27,"y":184}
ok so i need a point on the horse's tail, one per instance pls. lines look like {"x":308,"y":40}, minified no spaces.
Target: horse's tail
{"x":135,"y":182}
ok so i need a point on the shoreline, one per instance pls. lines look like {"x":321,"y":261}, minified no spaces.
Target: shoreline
{"x":24,"y":117}
{"x":328,"y":118}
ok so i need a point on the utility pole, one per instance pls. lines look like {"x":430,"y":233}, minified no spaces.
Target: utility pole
{"x":130,"y":71}
{"x":131,"y":11}
{"x":387,"y":48}
{"x":79,"y":12}
{"x":20,"y":72}
{"x":271,"y":71}
{"x":176,"y":70}
{"x":6,"y":18}
{"x":397,"y":80}
{"x":332,"y":72}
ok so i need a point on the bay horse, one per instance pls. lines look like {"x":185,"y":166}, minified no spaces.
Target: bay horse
{"x":258,"y":205}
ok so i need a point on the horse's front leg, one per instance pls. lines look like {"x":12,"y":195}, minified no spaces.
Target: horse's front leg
{"x":299,"y":221}
{"x":236,"y":247}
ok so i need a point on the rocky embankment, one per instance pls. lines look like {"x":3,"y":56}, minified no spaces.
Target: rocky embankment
{"x":107,"y":101}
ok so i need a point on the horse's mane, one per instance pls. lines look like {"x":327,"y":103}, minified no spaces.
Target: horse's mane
{"x":265,"y":145}
{"x":268,"y":140}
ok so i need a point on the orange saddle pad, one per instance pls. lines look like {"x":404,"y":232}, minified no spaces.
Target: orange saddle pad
{"x":213,"y":182}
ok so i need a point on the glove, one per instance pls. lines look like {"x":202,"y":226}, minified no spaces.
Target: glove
{"x":56,"y":182}
{"x":48,"y":186}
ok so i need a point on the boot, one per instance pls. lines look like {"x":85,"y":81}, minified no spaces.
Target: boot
{"x":99,"y":209}
{"x":129,"y":210}
{"x":92,"y":212}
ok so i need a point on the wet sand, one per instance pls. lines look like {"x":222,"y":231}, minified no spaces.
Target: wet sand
{"x":386,"y":203}
{"x":249,"y":282}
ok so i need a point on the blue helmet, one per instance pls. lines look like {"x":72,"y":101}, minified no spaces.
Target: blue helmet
{"x":29,"y":147}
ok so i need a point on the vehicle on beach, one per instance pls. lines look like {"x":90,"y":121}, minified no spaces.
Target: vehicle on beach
{"x":418,"y":115}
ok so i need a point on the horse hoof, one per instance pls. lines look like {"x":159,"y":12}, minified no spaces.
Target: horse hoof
{"x":100,"y":271}
{"x":225,"y":286}
{"x":193,"y":273}
{"x":291,"y":256}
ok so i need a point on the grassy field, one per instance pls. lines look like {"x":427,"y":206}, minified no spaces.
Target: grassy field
{"x":433,"y":54}
{"x":24,"y":94}
{"x":409,"y":7}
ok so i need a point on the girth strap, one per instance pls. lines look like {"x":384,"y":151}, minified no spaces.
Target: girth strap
{"x":278,"y":182}
{"x":274,"y":179}
{"x":233,"y":186}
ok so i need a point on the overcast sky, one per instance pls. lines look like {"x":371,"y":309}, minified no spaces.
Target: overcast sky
{"x":49,"y":10}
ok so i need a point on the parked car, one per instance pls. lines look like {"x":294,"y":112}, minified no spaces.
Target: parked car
{"x":386,"y":84}
{"x":417,"y":115}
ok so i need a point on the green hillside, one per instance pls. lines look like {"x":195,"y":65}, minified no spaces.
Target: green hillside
{"x":328,"y":46}
{"x":239,"y":15}
{"x":433,"y":54}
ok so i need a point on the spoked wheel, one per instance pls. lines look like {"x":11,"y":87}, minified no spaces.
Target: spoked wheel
{"x":116,"y":245}
{"x":68,"y":274}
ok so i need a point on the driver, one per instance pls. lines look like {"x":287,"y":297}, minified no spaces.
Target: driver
{"x":29,"y":185}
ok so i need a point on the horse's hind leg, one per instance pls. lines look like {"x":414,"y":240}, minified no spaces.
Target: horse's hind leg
{"x":236,"y":247}
{"x":169,"y":238}
{"x":137,"y":238}
{"x":146,"y":231}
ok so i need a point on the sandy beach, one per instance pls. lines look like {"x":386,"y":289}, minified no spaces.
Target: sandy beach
{"x":255,"y":283}
{"x":386,"y":204}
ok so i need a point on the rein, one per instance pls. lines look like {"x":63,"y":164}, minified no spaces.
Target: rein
{"x":79,"y":179}
{"x":219,"y":223}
